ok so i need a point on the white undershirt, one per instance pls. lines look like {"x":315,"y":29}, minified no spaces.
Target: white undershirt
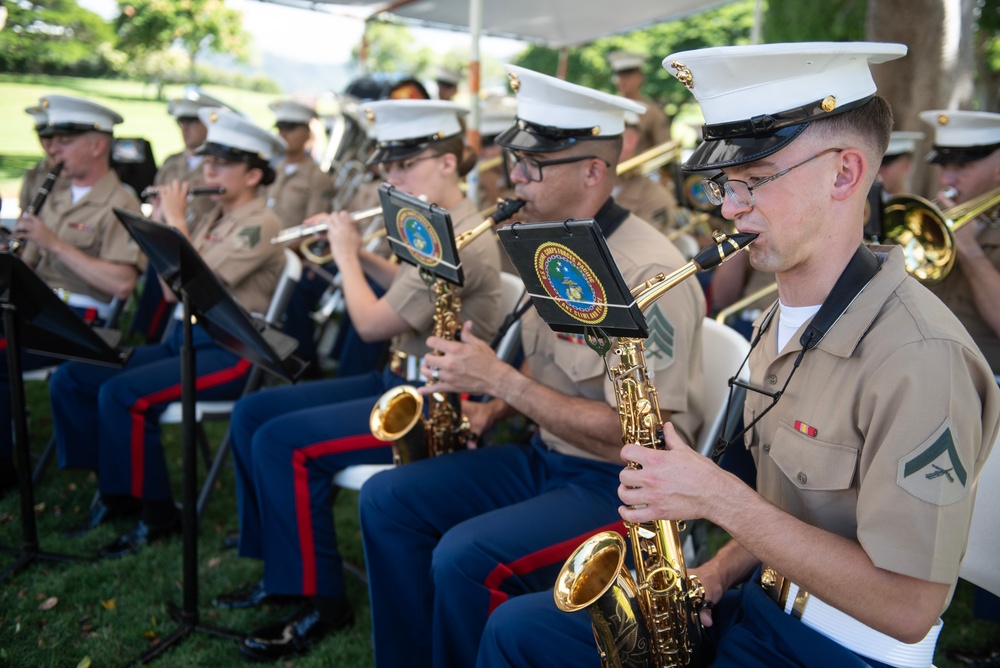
{"x":790,"y":318}
{"x":291,"y":168}
{"x":79,"y":192}
{"x":194,"y":162}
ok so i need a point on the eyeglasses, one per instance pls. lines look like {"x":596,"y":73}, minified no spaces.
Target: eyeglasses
{"x":741,"y":192}
{"x":385,"y":169}
{"x":532,"y":168}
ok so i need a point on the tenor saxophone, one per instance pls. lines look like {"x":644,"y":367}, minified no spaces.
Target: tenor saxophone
{"x":399,"y":411}
{"x":650,"y":620}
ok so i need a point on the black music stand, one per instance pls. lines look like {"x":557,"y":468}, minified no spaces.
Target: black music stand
{"x":203,"y":296}
{"x":572,"y":279}
{"x":49,"y":327}
{"x":421,"y":234}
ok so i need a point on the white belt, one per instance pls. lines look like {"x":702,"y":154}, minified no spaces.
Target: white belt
{"x":405,"y":365}
{"x":85,"y":302}
{"x":858,"y":637}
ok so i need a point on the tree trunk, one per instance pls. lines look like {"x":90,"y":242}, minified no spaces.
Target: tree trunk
{"x":937,"y":72}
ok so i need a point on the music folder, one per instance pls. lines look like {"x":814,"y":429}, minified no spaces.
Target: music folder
{"x":572,"y":278}
{"x":48,"y":326}
{"x":228,"y":323}
{"x":421,"y":234}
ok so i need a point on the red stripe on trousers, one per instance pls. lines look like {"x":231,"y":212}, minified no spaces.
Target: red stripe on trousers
{"x":531,"y":562}
{"x":154,"y":322}
{"x":3,"y":343}
{"x":300,"y":483}
{"x":172,"y":393}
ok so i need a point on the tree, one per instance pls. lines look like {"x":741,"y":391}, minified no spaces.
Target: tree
{"x":797,"y":21}
{"x":146,"y":27}
{"x":588,"y":65}
{"x":392,"y":48}
{"x":57,"y":37}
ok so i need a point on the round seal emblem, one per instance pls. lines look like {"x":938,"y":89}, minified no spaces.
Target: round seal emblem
{"x":571,"y":283}
{"x":695,"y":193}
{"x":420,"y":236}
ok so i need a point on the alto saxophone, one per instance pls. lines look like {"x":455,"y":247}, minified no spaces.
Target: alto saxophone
{"x":650,"y":620}
{"x":398,"y":411}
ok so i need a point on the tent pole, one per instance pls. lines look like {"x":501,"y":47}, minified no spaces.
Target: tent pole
{"x":474,"y":137}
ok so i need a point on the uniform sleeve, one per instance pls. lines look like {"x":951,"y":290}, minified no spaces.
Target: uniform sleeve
{"x":411,"y":298}
{"x":117,"y":245}
{"x":924,"y":445}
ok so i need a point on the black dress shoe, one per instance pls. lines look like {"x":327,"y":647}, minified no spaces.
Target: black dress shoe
{"x":134,"y":540}
{"x":293,"y":635}
{"x":101,"y":512}
{"x":251,"y":597}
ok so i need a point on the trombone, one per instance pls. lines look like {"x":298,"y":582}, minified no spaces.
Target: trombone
{"x":927,"y":234}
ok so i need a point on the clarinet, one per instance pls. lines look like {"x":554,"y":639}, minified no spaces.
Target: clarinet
{"x":9,"y":242}
{"x":43,"y":192}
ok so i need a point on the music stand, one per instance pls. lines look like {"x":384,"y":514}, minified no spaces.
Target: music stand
{"x":421,"y":234}
{"x":49,"y":327}
{"x":203,"y":296}
{"x":572,"y":279}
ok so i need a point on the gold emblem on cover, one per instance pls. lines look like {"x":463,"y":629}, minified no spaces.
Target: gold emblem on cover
{"x":683,"y":74}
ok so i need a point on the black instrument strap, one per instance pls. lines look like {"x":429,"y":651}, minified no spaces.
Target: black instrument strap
{"x":856,"y":275}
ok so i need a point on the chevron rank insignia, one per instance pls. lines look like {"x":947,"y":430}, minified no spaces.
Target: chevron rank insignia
{"x":250,"y":236}
{"x":660,"y":344}
{"x":935,"y":471}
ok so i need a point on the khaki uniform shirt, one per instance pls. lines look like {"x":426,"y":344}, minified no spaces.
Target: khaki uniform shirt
{"x":653,"y":128}
{"x":957,"y":294}
{"x":175,"y":168}
{"x":238,"y":249}
{"x":565,"y":363}
{"x":883,"y":429}
{"x":480,"y":297}
{"x":91,"y":226}
{"x":648,"y":200}
{"x":303,"y":193}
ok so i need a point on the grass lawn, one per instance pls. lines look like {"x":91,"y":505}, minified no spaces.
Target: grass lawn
{"x":144,"y":116}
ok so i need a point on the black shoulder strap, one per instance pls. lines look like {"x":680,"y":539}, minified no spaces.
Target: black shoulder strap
{"x":610,"y":217}
{"x":858,"y":273}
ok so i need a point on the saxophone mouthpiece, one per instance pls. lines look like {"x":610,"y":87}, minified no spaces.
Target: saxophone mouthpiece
{"x":724,"y":247}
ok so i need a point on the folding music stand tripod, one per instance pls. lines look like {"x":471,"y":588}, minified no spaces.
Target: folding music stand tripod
{"x":203,"y":296}
{"x":34,"y":318}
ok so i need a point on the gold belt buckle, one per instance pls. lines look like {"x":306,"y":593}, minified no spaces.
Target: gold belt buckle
{"x":775,"y":585}
{"x":397,"y":362}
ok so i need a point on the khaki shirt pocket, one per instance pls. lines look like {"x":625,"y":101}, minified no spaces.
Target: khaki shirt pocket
{"x":83,"y":236}
{"x":812,"y":464}
{"x":578,"y":361}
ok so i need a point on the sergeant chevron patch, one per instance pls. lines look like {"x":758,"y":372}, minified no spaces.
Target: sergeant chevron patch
{"x":661,"y":335}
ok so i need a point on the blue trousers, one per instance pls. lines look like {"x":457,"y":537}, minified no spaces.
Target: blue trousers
{"x":749,"y":631}
{"x":451,"y":540}
{"x":108,"y":419}
{"x":152,"y":312}
{"x":29,"y":362}
{"x":288,"y":442}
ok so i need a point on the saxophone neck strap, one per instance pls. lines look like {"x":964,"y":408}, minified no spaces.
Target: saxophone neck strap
{"x":858,"y":273}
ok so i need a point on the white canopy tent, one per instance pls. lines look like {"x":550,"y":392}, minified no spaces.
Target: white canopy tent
{"x":553,"y":23}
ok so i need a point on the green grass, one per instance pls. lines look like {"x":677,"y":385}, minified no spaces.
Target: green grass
{"x":144,"y":116}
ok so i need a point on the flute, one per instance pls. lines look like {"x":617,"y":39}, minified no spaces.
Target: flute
{"x":200,"y":190}
{"x":300,"y":231}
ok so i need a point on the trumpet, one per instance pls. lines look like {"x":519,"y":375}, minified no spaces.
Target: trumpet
{"x":651,"y":159}
{"x":927,"y":234}
{"x":299,"y":231}
{"x":194,"y":192}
